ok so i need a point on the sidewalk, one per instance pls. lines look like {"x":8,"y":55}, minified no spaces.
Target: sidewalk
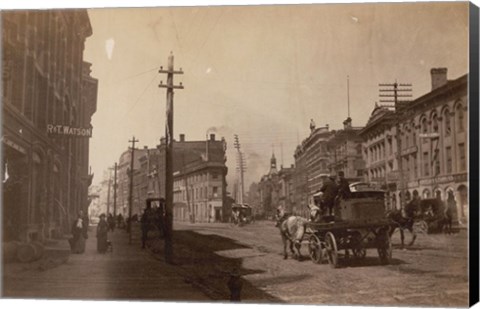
{"x":129,"y":273}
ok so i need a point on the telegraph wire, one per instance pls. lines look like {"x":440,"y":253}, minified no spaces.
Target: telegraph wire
{"x":140,"y":96}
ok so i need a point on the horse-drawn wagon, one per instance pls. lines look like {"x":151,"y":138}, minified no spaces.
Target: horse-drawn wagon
{"x":358,"y":224}
{"x":241,"y":214}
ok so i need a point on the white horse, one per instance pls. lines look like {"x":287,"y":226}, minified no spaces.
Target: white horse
{"x":292,"y":229}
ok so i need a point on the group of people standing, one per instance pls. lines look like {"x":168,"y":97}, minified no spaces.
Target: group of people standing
{"x":79,"y":232}
{"x":333,"y":189}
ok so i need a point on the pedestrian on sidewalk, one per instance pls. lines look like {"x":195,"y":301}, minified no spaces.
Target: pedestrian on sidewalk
{"x":111,"y":222}
{"x":102,"y":235}
{"x":79,"y":228}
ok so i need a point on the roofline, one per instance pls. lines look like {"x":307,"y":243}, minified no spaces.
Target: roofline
{"x":440,"y":90}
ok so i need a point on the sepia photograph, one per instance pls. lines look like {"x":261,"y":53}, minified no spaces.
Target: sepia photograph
{"x":301,"y":154}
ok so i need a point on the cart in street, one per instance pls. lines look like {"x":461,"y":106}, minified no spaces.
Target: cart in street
{"x":241,"y":214}
{"x":358,"y":224}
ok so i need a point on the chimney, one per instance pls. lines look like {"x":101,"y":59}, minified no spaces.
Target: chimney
{"x":145,"y":147}
{"x":439,"y":77}
{"x":347,"y":124}
{"x":182,"y":137}
{"x":212,"y":137}
{"x":163,"y":140}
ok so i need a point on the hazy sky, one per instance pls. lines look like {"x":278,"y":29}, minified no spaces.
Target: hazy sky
{"x":261,"y":71}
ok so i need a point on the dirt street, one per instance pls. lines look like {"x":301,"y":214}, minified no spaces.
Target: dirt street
{"x":433,"y":272}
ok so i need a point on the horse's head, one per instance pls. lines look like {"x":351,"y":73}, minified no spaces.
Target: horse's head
{"x":280,"y":212}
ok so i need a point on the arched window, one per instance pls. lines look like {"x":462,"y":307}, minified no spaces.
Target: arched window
{"x":435,"y":123}
{"x":447,"y":122}
{"x":460,"y":118}
{"x":415,"y":194}
{"x":424,"y":128}
{"x":426,"y":193}
{"x":424,"y":125}
{"x":405,"y":138}
{"x":408,"y":197}
{"x":414,"y":134}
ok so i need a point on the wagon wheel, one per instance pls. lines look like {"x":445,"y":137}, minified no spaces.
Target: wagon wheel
{"x":359,"y":253}
{"x":384,"y":248}
{"x":331,"y":249}
{"x":315,"y":249}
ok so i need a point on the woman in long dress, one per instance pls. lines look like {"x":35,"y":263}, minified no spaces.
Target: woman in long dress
{"x":78,"y":240}
{"x":102,"y":232}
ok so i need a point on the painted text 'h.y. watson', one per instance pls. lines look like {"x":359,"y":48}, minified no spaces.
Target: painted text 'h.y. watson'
{"x":67,"y":130}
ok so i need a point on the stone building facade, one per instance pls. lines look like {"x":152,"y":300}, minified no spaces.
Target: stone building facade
{"x":269,"y":190}
{"x":45,"y":84}
{"x":312,"y":166}
{"x":345,"y":148}
{"x":286,"y":188}
{"x":434,"y":145}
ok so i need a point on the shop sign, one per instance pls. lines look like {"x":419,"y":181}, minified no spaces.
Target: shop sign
{"x":13,"y":145}
{"x":460,"y":177}
{"x":437,"y":180}
{"x":409,"y":150}
{"x":393,"y":176}
{"x":429,"y":135}
{"x":68,"y":130}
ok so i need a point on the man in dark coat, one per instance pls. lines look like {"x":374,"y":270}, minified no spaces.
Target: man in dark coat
{"x":330,"y":191}
{"x":343,"y":186}
{"x":146,"y":221}
{"x":102,"y":235}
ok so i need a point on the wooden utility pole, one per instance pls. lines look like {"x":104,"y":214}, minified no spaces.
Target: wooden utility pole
{"x":130,"y":195}
{"x":396,"y":104}
{"x":169,"y":156}
{"x":240,"y":167}
{"x":108,"y":190}
{"x":115,"y":192}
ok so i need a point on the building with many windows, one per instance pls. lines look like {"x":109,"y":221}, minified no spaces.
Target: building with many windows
{"x":141,"y":158}
{"x":434,"y":145}
{"x":199,"y":175}
{"x":379,"y":150}
{"x":312,"y":160}
{"x":48,"y":99}
{"x":345,"y":148}
{"x":199,"y":179}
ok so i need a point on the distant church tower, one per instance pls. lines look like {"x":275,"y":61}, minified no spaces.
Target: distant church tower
{"x":273,"y":165}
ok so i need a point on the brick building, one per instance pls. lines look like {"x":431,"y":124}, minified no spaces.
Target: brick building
{"x":48,"y":99}
{"x":197,"y":165}
{"x":199,"y":175}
